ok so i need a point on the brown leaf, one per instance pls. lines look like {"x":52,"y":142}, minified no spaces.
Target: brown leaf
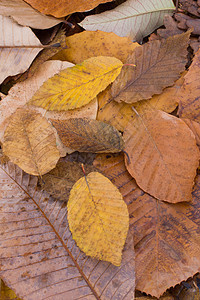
{"x":195,"y":128}
{"x":38,"y":256}
{"x":157,"y":65}
{"x":87,"y":44}
{"x":29,"y":142}
{"x":59,"y":181}
{"x":189,"y":93}
{"x":62,"y":8}
{"x":166,"y":236}
{"x":86,"y":135}
{"x":162,"y":155}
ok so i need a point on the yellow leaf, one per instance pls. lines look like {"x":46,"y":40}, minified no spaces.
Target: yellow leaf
{"x":77,"y":86}
{"x":98,"y":218}
{"x":29,"y":142}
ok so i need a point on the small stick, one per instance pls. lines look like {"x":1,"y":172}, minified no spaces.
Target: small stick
{"x":42,"y":46}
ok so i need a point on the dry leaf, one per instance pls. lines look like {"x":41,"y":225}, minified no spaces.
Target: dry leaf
{"x":6,"y":293}
{"x":25,"y":15}
{"x":77,"y":86}
{"x":153,"y":141}
{"x":29,"y":142}
{"x":98,"y":218}
{"x":157,"y":63}
{"x":62,"y":8}
{"x":16,"y":60}
{"x":59,"y":181}
{"x":195,"y":128}
{"x":132,"y":18}
{"x":87,"y":135}
{"x":39,"y":258}
{"x":88,"y":44}
{"x":166,"y":236}
{"x":189,"y":93}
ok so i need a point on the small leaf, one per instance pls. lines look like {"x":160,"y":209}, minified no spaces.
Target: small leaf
{"x":77,"y":86}
{"x":87,"y":135}
{"x":163,"y":155}
{"x":29,"y":142}
{"x":98,"y":218}
{"x":133,"y":18}
{"x":157,"y":63}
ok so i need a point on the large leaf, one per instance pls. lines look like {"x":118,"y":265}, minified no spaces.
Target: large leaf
{"x":98,"y":218}
{"x":25,"y":15}
{"x":189,"y":106}
{"x":87,"y":44}
{"x":133,"y":18}
{"x":166,"y":236}
{"x":87,"y":135}
{"x":16,"y":60}
{"x":39,"y":258}
{"x":29,"y":142}
{"x":153,"y":141}
{"x":61,"y":8}
{"x":157,"y":63}
{"x":77,"y":86}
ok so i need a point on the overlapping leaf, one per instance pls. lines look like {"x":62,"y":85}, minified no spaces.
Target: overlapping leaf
{"x":87,"y":135}
{"x":166,"y":236}
{"x":157,"y":63}
{"x":44,"y":261}
{"x":29,"y":142}
{"x":77,"y":86}
{"x":16,"y":60}
{"x":152,"y":142}
{"x":98,"y":218}
{"x":25,"y":15}
{"x":132,"y":18}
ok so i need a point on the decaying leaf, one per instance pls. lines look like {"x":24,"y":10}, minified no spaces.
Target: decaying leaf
{"x":88,"y":44}
{"x":132,"y":18}
{"x":59,"y":181}
{"x":16,"y":60}
{"x":25,"y":15}
{"x":87,"y":135}
{"x":62,"y":8}
{"x":29,"y":142}
{"x":157,"y":63}
{"x":98,"y":218}
{"x":189,"y":93}
{"x":166,"y":236}
{"x":195,"y":128}
{"x":153,"y":141}
{"x":77,"y":86}
{"x":44,"y":261}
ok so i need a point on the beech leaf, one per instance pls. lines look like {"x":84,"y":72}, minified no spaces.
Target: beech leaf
{"x":38,"y":256}
{"x":77,"y":86}
{"x":98,"y":218}
{"x":166,"y":236}
{"x":87,"y":135}
{"x":132,"y":18}
{"x":152,"y":142}
{"x":29,"y":142}
{"x":16,"y":60}
{"x":157,"y":63}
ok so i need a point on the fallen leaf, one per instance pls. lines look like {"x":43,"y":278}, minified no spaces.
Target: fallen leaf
{"x":39,"y":258}
{"x":131,"y":18}
{"x":88,"y":44}
{"x":59,"y":181}
{"x":166,"y":236}
{"x":62,"y":8}
{"x":25,"y":15}
{"x":157,"y":63}
{"x":87,"y":135}
{"x":77,"y":86}
{"x":189,"y":93}
{"x":98,"y":218}
{"x":6,"y":293}
{"x":29,"y":142}
{"x":152,"y":143}
{"x":16,"y":60}
{"x":195,"y":128}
